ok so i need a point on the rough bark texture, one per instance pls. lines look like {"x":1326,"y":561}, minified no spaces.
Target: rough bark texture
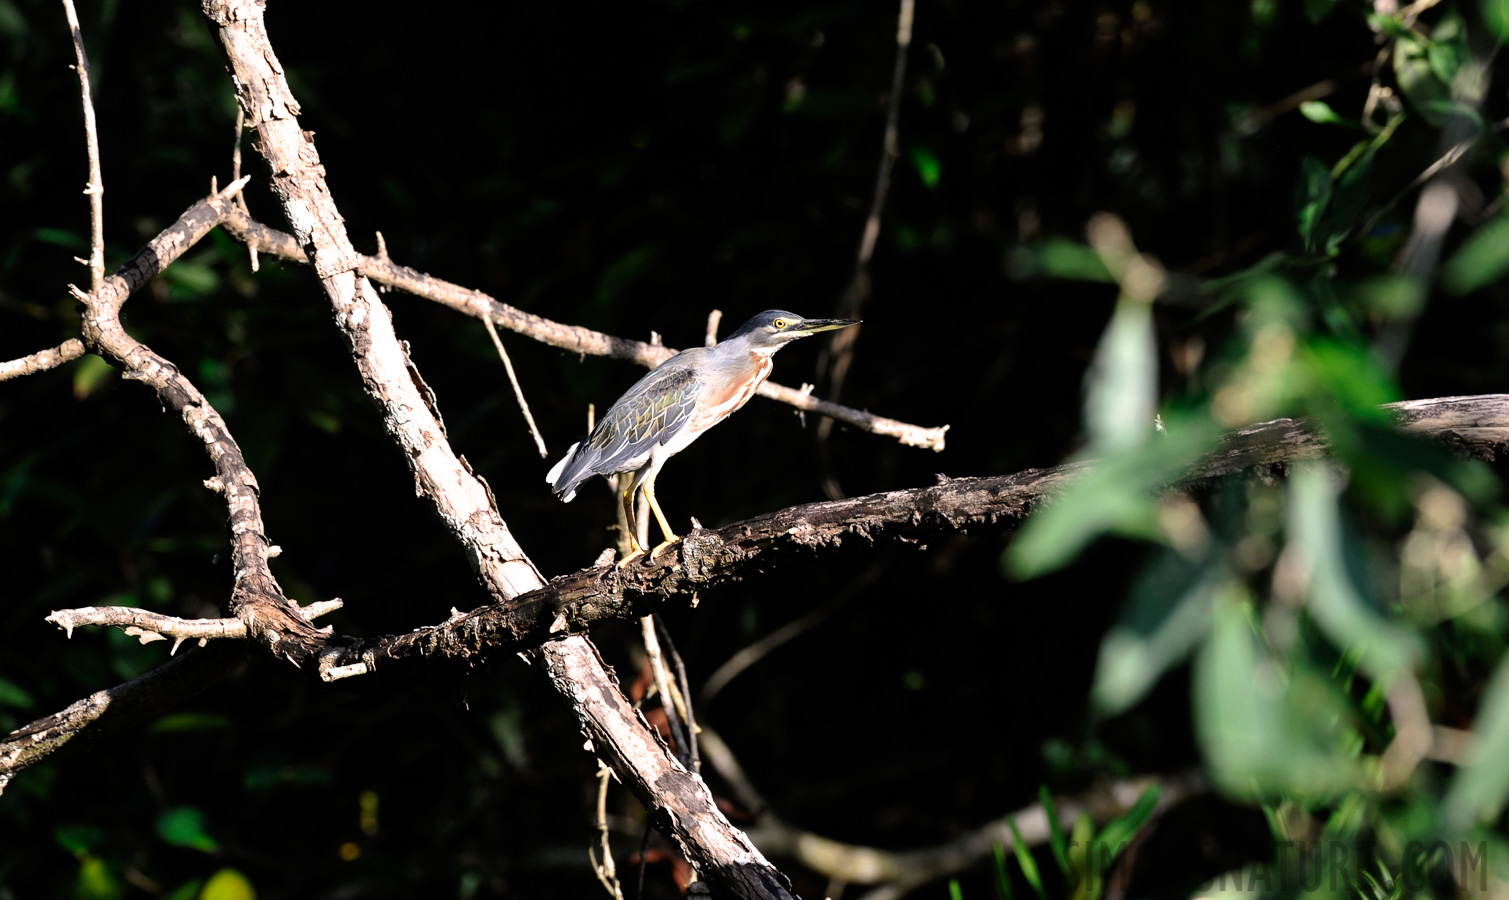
{"x":269,"y":615}
{"x":1477,"y":426}
{"x":462,"y":500}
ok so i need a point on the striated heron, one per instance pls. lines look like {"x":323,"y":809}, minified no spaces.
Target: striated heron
{"x":671,"y":407}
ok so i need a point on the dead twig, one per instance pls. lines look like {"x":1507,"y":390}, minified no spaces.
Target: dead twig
{"x":605,"y":869}
{"x":513,"y":379}
{"x":96,"y":187}
{"x":42,"y":360}
{"x":251,"y":251}
{"x":898,"y":872}
{"x":572,"y":338}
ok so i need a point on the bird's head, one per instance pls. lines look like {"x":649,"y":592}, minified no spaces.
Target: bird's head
{"x":775,"y":328}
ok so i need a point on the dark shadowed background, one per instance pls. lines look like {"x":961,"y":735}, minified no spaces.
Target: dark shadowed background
{"x":631,"y":167}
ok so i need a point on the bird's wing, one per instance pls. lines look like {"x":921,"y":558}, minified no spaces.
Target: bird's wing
{"x":649,"y":413}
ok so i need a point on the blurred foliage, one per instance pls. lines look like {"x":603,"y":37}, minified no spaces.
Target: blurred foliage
{"x":1106,"y":214}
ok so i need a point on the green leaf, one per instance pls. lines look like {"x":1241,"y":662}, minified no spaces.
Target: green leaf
{"x":186,"y":891}
{"x":998,"y":867}
{"x":1349,"y":197}
{"x":1383,"y":648}
{"x":1417,"y":78}
{"x":195,"y":279}
{"x":1479,"y":790}
{"x":1122,"y":385}
{"x":61,"y":237}
{"x":1312,"y":193}
{"x":1082,"y":869}
{"x":1448,"y":49}
{"x":928,"y":166}
{"x":1115,"y":494}
{"x":1164,"y":619}
{"x":1392,"y":295}
{"x":1057,"y":258}
{"x":1266,"y":729}
{"x":1496,"y":15}
{"x":1320,"y":112}
{"x":14,"y":696}
{"x":90,"y":372}
{"x":228,"y":884}
{"x":1056,"y":840}
{"x":183,"y":826}
{"x":955,"y":892}
{"x":1345,"y":376}
{"x":95,"y":881}
{"x":1120,"y":831}
{"x":78,"y":839}
{"x":1025,"y":860}
{"x":1481,"y":259}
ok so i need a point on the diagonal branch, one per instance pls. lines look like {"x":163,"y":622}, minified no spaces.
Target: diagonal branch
{"x":257,"y":600}
{"x":127,"y":704}
{"x":573,"y":338}
{"x":683,"y":807}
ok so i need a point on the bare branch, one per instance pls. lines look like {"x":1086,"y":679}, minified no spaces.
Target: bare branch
{"x":901,"y":871}
{"x":713,"y":318}
{"x":148,"y":626}
{"x":572,"y":338}
{"x":682,"y":805}
{"x":251,"y":252}
{"x":707,"y":558}
{"x":513,"y":379}
{"x":42,"y":360}
{"x":607,"y":871}
{"x":257,"y":599}
{"x":96,"y":187}
{"x":171,"y":683}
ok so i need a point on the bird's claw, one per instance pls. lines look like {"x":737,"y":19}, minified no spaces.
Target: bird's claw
{"x":655,"y":554}
{"x":636,"y":550}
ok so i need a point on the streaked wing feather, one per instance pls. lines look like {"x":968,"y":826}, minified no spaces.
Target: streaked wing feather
{"x":653,"y":409}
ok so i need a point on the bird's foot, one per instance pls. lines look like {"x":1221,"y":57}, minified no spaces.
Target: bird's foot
{"x":669,"y":540}
{"x":634,"y":555}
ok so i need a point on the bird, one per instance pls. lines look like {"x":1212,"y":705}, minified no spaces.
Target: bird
{"x":672,"y":406}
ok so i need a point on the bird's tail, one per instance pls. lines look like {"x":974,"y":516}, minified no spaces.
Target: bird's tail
{"x":564,"y":488}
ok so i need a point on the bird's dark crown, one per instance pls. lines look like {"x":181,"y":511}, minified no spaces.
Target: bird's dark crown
{"x":778,"y":326}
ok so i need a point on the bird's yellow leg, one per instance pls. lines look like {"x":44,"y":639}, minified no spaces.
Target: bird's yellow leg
{"x":631,"y":528}
{"x":665,"y":527}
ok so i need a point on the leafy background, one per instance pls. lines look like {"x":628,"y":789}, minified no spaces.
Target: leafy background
{"x":630,"y":167}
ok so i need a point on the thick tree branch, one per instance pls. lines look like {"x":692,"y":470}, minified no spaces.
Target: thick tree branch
{"x":576,"y":339}
{"x":681,"y":802}
{"x":709,"y":557}
{"x":256,"y":599}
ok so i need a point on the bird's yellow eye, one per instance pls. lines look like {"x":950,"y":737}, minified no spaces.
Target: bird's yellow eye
{"x":780,"y":324}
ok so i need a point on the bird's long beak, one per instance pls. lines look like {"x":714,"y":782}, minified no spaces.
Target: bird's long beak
{"x":813,"y":326}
